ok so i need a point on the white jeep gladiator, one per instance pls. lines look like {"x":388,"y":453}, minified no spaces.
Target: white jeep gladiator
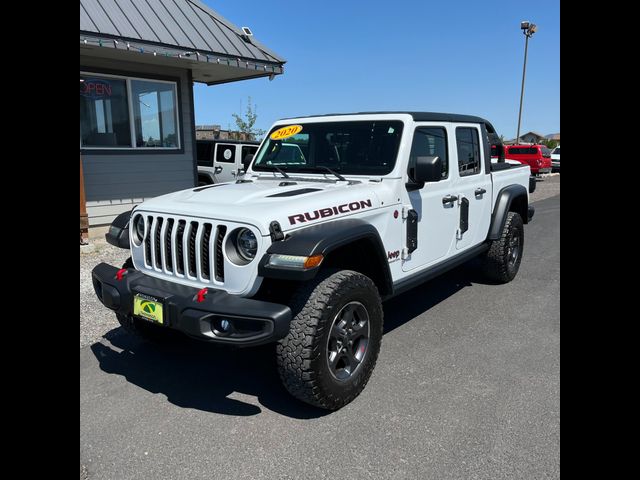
{"x":303,"y":248}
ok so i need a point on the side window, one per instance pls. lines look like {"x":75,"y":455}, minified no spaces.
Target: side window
{"x":247,"y":150}
{"x":205,"y":158}
{"x":468,"y":151}
{"x":226,"y":153}
{"x":429,"y":142}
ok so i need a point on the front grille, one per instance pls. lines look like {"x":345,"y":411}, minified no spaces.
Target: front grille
{"x":185,"y":248}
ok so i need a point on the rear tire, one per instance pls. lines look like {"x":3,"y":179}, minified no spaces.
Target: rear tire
{"x":334,"y":339}
{"x":502,"y":260}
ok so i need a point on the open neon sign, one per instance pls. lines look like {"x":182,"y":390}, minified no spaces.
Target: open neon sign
{"x":94,"y":88}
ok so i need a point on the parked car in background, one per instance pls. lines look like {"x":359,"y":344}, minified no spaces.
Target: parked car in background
{"x":495,"y":156}
{"x":555,"y":159}
{"x":538,"y":157}
{"x":222,"y":160}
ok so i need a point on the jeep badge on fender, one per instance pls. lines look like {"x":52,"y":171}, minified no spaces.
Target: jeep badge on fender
{"x":304,"y":247}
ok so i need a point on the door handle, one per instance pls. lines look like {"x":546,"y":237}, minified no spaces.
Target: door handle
{"x":218,"y":170}
{"x":480,"y":191}
{"x":449,"y":199}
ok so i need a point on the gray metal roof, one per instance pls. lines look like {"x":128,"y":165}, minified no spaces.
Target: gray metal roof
{"x":186,"y":24}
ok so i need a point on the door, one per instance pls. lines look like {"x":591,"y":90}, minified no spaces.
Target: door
{"x":473,"y":188}
{"x":224,"y":162}
{"x":437,"y":219}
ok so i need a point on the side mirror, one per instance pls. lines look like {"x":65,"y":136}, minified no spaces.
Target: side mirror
{"x":427,"y":169}
{"x":246,"y":161}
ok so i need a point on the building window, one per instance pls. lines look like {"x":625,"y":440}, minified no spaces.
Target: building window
{"x":119,"y":112}
{"x":104,"y":113}
{"x":468,"y":151}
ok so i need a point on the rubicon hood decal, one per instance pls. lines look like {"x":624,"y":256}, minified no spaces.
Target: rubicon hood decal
{"x":329,"y":211}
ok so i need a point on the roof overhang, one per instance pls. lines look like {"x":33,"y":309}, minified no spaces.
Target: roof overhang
{"x":206,"y":67}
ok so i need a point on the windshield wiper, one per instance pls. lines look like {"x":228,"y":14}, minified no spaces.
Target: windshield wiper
{"x":273,"y":167}
{"x":340,"y":177}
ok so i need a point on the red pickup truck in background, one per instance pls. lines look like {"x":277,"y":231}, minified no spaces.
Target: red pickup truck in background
{"x":538,"y":157}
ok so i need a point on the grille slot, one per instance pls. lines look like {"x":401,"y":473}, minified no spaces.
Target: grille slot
{"x":222,"y":230}
{"x":205,"y":261}
{"x":158,"y":246}
{"x":192,"y":249}
{"x":147,"y":242}
{"x":167,"y":245}
{"x":179,"y":255}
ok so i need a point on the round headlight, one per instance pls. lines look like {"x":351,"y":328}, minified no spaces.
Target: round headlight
{"x":247,"y":244}
{"x":138,"y":229}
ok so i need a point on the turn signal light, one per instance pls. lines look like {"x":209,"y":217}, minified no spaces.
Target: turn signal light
{"x":295,"y":261}
{"x":312,"y":262}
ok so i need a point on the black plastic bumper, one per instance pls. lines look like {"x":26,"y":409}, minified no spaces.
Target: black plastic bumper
{"x":252,"y":322}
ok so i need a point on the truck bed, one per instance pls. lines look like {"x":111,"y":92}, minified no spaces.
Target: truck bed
{"x":505,"y":174}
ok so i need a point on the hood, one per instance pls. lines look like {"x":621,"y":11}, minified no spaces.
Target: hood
{"x":292,"y":202}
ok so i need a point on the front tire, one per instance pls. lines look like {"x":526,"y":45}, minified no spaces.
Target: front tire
{"x":502,"y":261}
{"x":334,"y":339}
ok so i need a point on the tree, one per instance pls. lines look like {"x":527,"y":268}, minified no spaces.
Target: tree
{"x":247,"y":124}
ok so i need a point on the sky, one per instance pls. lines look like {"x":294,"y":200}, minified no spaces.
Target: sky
{"x":461,"y":57}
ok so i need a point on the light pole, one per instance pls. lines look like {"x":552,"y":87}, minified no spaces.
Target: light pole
{"x":528,"y":29}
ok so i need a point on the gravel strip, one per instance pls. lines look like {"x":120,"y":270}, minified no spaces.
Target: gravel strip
{"x":547,"y":186}
{"x":96,"y":320}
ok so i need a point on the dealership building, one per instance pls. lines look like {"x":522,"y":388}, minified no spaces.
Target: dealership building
{"x":138,"y":62}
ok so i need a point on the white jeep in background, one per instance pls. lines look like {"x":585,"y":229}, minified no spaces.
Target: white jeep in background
{"x":335,"y":214}
{"x":222,"y":160}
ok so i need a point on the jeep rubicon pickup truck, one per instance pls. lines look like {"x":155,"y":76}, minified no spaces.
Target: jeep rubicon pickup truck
{"x":301,"y":250}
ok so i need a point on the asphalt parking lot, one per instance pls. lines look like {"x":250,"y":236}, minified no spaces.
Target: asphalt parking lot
{"x":466,"y":386}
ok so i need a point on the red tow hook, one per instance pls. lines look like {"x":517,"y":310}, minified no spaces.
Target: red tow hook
{"x":120,"y":273}
{"x":201,"y":294}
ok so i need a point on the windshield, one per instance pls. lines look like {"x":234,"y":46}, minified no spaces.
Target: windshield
{"x":556,"y":151}
{"x":351,"y":148}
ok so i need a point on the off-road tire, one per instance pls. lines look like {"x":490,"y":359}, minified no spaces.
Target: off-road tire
{"x":302,"y":354}
{"x":498,"y":263}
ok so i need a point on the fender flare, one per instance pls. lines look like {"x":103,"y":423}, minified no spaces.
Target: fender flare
{"x":323,"y":239}
{"x":118,"y":234}
{"x":206,"y":174}
{"x":504,"y":200}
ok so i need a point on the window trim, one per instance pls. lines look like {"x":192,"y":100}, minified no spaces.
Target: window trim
{"x":446,"y":143}
{"x":150,"y":78}
{"x":480,"y":152}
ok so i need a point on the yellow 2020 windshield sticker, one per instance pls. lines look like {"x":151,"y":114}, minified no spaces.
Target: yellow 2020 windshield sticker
{"x":286,"y":132}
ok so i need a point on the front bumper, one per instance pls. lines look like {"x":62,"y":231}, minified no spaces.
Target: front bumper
{"x":253,"y":322}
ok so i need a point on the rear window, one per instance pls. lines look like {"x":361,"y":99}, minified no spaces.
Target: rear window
{"x":523,"y":150}
{"x":204,"y":150}
{"x":545,"y":152}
